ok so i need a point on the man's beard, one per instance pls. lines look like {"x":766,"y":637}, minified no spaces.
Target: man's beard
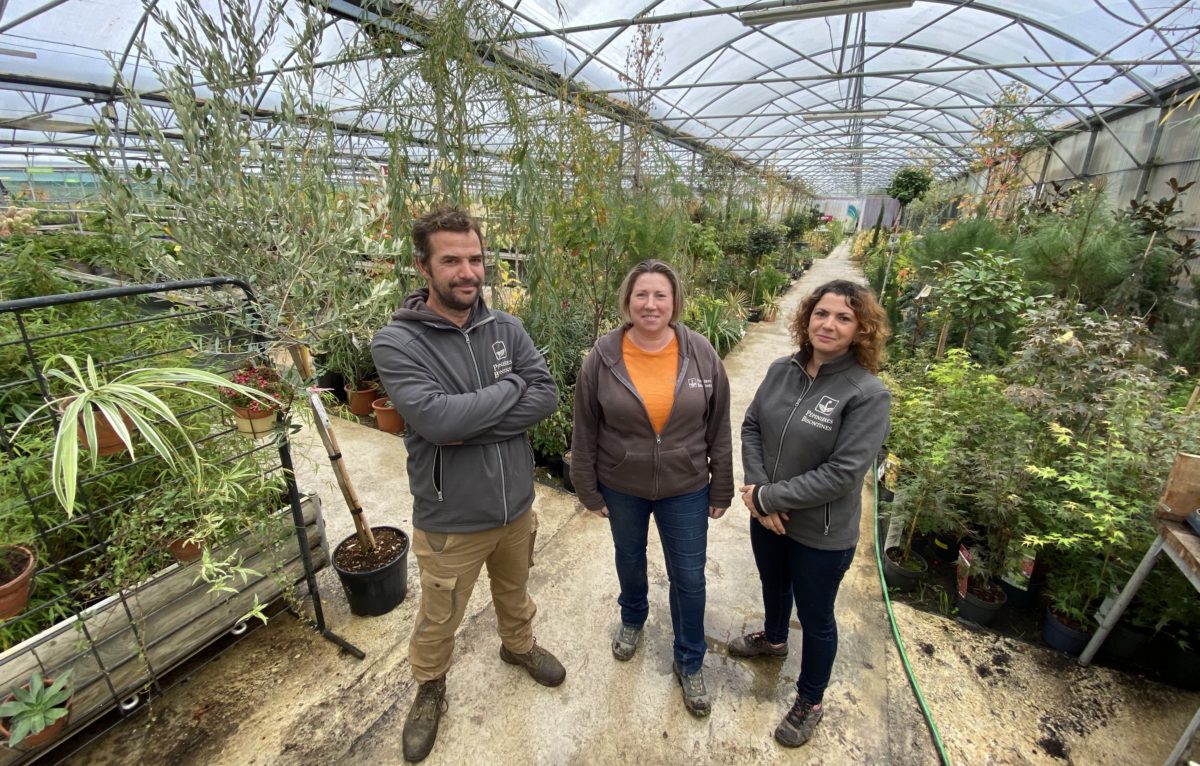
{"x":450,"y":299}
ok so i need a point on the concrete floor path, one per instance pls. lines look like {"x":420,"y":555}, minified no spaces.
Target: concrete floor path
{"x":286,"y":696}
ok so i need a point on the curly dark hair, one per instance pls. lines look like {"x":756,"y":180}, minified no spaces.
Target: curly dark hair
{"x":443,"y":218}
{"x":873,"y":330}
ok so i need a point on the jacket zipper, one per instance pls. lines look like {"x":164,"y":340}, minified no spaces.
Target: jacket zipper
{"x":779,"y":451}
{"x":657,"y":437}
{"x":435,"y":471}
{"x":827,"y":519}
{"x":479,"y":377}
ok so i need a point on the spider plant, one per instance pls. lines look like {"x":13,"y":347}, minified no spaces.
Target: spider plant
{"x":133,"y":394}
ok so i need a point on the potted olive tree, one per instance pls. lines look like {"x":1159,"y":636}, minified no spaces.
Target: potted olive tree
{"x":372,"y":563}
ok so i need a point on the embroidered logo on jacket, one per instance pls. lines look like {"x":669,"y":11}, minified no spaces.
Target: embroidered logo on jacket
{"x":820,"y":419}
{"x":503,"y":364}
{"x":827,"y":405}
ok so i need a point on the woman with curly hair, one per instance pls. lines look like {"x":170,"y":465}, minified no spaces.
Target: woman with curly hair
{"x":817,"y":421}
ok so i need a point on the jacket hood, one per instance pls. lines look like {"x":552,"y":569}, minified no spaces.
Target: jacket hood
{"x":415,"y":308}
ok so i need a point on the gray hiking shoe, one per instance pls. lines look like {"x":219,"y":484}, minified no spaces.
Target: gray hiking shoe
{"x":797,"y":726}
{"x":421,"y":726}
{"x":543,"y":666}
{"x":695,"y":695}
{"x":625,"y":643}
{"x":756,"y":645}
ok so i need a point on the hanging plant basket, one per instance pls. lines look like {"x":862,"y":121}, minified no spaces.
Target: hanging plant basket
{"x":18,"y":561}
{"x":255,"y":424}
{"x":108,"y":442}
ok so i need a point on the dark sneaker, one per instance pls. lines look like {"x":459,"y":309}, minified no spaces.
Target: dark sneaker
{"x":756,"y":645}
{"x":797,"y":726}
{"x":625,"y":643}
{"x":695,"y":696}
{"x":543,"y":667}
{"x":421,"y":726}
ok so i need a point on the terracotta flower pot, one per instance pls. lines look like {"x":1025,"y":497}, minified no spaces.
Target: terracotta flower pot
{"x":46,"y":735}
{"x":386,"y":417}
{"x":107,"y":440}
{"x":360,"y":399}
{"x":14,"y":594}
{"x":184,"y":550}
{"x":254,"y":424}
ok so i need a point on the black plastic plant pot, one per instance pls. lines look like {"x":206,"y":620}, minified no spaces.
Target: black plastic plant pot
{"x":908,"y":577}
{"x":1058,"y":635}
{"x":978,"y":610}
{"x":376,"y":591}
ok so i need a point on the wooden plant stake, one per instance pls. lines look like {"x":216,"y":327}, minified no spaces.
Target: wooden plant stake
{"x":363,"y":529}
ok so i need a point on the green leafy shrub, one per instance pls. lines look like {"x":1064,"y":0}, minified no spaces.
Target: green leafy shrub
{"x":960,"y":236}
{"x":1082,"y":254}
{"x":717,"y":320}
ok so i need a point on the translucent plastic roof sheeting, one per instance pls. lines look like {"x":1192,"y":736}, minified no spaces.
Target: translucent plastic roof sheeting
{"x":927,"y":72}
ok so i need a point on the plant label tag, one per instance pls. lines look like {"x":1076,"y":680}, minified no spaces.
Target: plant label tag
{"x":964,"y":569}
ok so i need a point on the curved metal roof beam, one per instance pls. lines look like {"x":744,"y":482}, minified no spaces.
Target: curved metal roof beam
{"x":31,"y":15}
{"x":282,"y":66}
{"x":138,"y":30}
{"x":590,"y":55}
{"x":945,"y":86}
{"x":1142,"y":84}
{"x":948,"y":114}
{"x":926,"y":133}
{"x":1195,"y":75}
{"x":1046,"y":28}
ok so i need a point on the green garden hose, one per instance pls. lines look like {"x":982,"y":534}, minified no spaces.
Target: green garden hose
{"x":912,"y":679}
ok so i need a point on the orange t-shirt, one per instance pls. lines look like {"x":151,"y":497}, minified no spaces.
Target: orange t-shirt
{"x":653,"y":375}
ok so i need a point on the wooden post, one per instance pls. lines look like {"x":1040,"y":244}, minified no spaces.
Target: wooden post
{"x":1191,"y":405}
{"x":302,"y":360}
{"x":363,"y":529}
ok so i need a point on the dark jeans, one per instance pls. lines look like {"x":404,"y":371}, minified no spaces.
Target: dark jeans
{"x":795,"y":573}
{"x":683,"y":529}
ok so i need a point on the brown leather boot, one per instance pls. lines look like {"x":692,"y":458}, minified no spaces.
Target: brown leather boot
{"x":421,"y":726}
{"x":541,"y":665}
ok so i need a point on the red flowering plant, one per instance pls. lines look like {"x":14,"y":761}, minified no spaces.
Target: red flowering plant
{"x":262,"y":378}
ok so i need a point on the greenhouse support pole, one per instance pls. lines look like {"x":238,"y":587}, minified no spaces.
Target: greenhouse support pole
{"x":1148,"y":166}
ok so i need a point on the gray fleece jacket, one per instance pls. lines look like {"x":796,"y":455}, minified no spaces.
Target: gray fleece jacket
{"x":468,"y":396}
{"x":807,"y":443}
{"x":614,"y":443}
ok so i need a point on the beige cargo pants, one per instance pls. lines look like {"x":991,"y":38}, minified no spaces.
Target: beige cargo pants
{"x":449,"y":565}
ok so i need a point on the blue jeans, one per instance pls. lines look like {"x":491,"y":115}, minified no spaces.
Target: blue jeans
{"x":683,"y":529}
{"x":795,"y":573}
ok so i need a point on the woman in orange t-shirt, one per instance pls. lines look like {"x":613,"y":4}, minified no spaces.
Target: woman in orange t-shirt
{"x":652,"y":439}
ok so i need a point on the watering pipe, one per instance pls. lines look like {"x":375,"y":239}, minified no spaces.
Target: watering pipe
{"x":887,"y":601}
